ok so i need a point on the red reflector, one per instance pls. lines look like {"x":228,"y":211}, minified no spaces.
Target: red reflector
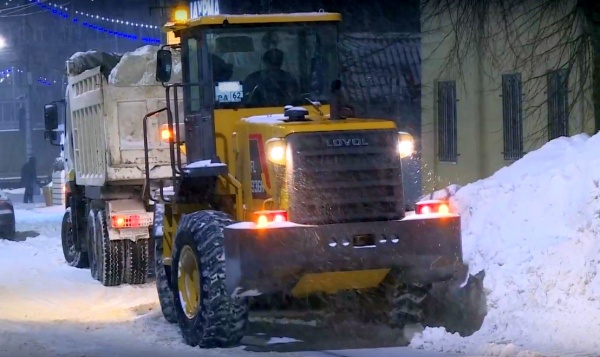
{"x":126,"y":221}
{"x":432,"y":206}
{"x":265,"y":217}
{"x":423,"y":209}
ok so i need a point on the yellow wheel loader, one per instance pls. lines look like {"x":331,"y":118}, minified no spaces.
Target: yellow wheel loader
{"x":278,"y":193}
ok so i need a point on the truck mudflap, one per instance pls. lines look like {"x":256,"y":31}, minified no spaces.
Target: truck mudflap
{"x":302,"y":260}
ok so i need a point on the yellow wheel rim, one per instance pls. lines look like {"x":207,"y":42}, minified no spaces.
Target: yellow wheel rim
{"x":188,"y":282}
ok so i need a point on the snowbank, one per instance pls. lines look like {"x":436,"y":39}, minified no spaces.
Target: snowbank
{"x":14,"y":191}
{"x":138,"y":68}
{"x":535,"y":228}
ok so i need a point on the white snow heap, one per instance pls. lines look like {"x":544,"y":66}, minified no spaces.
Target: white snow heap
{"x":535,"y":228}
{"x":138,"y":68}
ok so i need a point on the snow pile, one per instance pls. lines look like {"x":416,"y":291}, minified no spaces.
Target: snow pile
{"x":535,"y":228}
{"x":138,"y":68}
{"x":14,"y":191}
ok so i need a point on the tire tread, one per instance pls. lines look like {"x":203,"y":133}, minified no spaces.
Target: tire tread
{"x":223,"y":319}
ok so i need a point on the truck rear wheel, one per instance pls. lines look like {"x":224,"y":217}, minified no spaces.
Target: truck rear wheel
{"x":207,"y":315}
{"x":92,"y":243}
{"x":110,"y":254}
{"x":137,"y":261}
{"x":73,"y":256}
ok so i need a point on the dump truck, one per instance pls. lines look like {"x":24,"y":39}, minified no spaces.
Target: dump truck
{"x":278,"y":194}
{"x":107,"y":222}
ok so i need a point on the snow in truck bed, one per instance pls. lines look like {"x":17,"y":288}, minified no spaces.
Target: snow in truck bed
{"x":138,"y":68}
{"x":135,"y":68}
{"x":535,"y":228}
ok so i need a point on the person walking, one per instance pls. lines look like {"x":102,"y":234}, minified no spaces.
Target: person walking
{"x":29,"y":179}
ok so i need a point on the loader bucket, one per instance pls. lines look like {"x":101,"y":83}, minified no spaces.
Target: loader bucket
{"x":459,"y":309}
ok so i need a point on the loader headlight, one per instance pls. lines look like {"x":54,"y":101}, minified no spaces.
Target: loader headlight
{"x":276,"y":149}
{"x":406,"y":144}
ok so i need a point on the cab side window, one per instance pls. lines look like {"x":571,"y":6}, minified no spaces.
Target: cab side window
{"x":193,"y":72}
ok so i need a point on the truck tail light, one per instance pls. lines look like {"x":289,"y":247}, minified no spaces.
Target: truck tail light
{"x":271,"y":216}
{"x":432,"y":206}
{"x":126,"y":221}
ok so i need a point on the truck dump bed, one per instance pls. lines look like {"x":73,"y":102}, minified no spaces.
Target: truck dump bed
{"x":108,"y":141}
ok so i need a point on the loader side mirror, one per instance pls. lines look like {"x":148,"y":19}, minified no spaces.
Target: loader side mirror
{"x":164,"y":65}
{"x":50,"y":121}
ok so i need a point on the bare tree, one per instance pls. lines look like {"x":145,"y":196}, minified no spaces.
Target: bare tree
{"x":524,"y":36}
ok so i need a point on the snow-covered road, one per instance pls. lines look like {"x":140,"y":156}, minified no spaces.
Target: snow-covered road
{"x":534,"y":228}
{"x":50,"y":309}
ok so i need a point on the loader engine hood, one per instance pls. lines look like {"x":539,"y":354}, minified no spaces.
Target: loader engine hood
{"x":300,"y":119}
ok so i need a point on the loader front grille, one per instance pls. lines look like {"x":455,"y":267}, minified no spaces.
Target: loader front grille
{"x":341,"y":177}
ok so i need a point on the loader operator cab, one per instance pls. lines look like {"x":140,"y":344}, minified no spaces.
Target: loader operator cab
{"x":236,"y":67}
{"x":272,"y":65}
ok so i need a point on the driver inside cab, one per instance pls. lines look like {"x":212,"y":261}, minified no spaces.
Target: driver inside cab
{"x":272,"y":84}
{"x":222,"y":70}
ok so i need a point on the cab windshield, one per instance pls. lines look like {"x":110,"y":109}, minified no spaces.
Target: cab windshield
{"x":272,"y":66}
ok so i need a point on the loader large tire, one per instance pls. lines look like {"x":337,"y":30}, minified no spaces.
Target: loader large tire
{"x":163,"y":276}
{"x":458,"y":309}
{"x":136,"y":258}
{"x":407,"y":304}
{"x":163,"y":284}
{"x":111,"y":254}
{"x":208,"y":316}
{"x":73,"y":256}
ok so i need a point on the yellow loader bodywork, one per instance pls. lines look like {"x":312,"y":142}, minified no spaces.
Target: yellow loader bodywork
{"x":288,"y":197}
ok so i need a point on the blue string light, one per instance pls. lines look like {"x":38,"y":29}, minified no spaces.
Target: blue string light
{"x":40,"y":80}
{"x":97,"y":17}
{"x":46,"y":82}
{"x":6,"y":72}
{"x":60,"y":13}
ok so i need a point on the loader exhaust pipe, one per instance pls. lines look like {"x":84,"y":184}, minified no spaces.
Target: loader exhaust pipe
{"x":336,"y":100}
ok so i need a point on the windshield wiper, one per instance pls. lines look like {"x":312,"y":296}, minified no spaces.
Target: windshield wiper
{"x":316,"y":105}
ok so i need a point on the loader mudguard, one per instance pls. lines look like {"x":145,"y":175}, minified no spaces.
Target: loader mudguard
{"x":301,"y":260}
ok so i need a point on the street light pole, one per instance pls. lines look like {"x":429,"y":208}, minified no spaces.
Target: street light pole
{"x":28,"y":128}
{"x":28,"y":99}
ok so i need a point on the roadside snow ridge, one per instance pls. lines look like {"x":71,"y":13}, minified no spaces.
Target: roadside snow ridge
{"x":535,"y":228}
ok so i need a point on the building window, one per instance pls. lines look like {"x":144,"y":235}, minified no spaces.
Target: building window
{"x":512,"y":116}
{"x":446,"y":121}
{"x":558,"y":103}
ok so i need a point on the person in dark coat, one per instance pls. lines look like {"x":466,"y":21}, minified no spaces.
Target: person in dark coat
{"x":272,"y":86}
{"x":29,"y":179}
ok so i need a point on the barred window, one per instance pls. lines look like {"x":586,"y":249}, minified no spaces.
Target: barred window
{"x":446,"y":121}
{"x":558,"y":103}
{"x":512,"y":116}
